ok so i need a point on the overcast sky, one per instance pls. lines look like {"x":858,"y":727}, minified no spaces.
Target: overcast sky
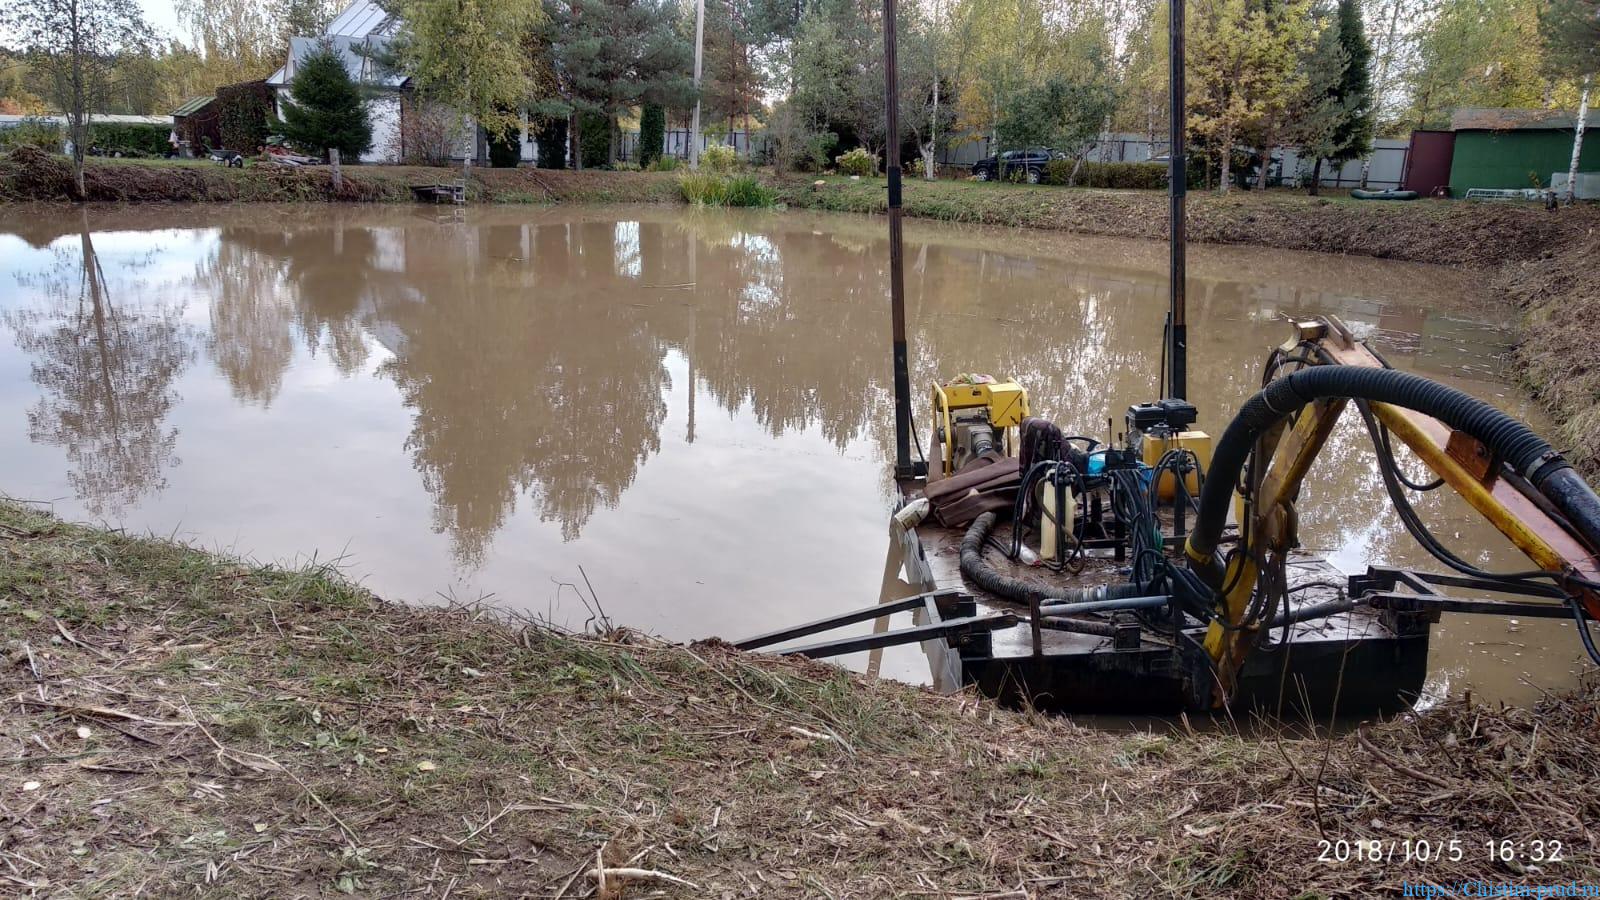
{"x":163,"y":14}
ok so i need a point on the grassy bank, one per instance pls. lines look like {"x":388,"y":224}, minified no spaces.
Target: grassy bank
{"x":1426,"y":231}
{"x":177,"y":722}
{"x":31,"y":175}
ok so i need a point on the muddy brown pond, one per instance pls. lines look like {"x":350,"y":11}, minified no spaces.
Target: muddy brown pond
{"x":690,"y":408}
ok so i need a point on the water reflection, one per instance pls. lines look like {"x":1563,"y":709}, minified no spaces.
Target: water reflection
{"x":509,"y":382}
{"x":104,"y":367}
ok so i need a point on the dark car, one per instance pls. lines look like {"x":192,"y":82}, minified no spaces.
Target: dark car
{"x":1027,"y":164}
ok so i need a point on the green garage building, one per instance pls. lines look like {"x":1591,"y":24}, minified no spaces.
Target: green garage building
{"x":1516,"y":148}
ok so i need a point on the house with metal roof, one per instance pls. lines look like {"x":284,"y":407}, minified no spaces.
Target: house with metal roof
{"x":359,"y":35}
{"x":1515,"y":148}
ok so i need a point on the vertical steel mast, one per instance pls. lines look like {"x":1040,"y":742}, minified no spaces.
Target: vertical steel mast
{"x":1177,"y":188}
{"x":903,"y":467}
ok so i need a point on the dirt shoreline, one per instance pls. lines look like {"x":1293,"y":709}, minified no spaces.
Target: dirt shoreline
{"x":1533,"y":256}
{"x":179,"y":722}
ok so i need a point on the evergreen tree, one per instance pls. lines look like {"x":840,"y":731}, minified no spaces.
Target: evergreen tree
{"x":326,"y":110}
{"x":1353,"y":136}
{"x":652,"y":133}
{"x":610,"y":56}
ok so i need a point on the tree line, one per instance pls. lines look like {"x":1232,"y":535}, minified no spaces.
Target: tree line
{"x":1322,"y":75}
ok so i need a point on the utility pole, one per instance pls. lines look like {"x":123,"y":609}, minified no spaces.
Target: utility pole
{"x":699,"y":56}
{"x":1177,"y":192}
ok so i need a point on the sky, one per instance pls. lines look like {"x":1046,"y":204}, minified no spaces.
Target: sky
{"x":163,"y":15}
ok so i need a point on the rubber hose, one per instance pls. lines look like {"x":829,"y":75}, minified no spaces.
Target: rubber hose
{"x":980,"y":573}
{"x":1078,"y":626}
{"x":1505,"y":437}
{"x":1315,"y":611}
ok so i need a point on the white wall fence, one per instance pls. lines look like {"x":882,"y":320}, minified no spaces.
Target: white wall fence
{"x":677,"y":143}
{"x":1388,"y":159}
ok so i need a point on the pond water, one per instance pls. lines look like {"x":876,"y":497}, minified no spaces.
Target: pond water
{"x":682,"y":414}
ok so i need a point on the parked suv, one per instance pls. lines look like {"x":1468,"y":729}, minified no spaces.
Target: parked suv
{"x":1030,"y":163}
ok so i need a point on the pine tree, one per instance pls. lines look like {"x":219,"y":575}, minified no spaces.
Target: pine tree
{"x":326,"y":110}
{"x":610,"y":56}
{"x":1353,"y":137}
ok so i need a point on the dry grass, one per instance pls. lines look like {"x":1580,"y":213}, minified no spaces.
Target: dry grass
{"x":178,"y":723}
{"x":1559,"y":292}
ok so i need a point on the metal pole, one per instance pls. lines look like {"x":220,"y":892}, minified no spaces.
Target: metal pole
{"x":699,"y":55}
{"x":897,"y":278}
{"x":1177,"y":187}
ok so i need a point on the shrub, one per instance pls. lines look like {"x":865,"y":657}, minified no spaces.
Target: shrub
{"x":702,"y":189}
{"x":594,"y":140}
{"x":745,"y":190}
{"x":38,"y":133}
{"x":427,"y":133}
{"x":652,"y":132}
{"x":857,"y":162}
{"x":505,"y":148}
{"x":626,"y":165}
{"x":1126,"y":175}
{"x":719,"y":158}
{"x":705,"y":189}
{"x":665,"y":164}
{"x":552,"y":140}
{"x":242,"y":116}
{"x":113,"y":138}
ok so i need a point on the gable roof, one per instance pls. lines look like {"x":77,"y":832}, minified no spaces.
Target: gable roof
{"x":360,"y":19}
{"x":355,"y":53}
{"x":1487,"y":119}
{"x":192,"y":106}
{"x":355,"y":34}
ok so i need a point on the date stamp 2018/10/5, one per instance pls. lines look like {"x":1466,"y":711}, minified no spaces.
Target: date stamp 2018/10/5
{"x":1423,"y":850}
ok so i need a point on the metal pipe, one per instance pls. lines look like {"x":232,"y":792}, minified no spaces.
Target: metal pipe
{"x":897,"y":277}
{"x":1177,"y":191}
{"x":1072,"y":609}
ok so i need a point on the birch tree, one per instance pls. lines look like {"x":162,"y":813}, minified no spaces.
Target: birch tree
{"x":468,"y":56}
{"x":1571,"y":33}
{"x":75,"y":45}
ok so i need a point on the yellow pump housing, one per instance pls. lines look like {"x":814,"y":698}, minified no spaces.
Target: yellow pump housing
{"x":1006,"y":403}
{"x":1152,"y":447}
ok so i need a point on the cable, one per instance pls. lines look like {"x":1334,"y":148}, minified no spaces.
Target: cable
{"x":1583,"y":629}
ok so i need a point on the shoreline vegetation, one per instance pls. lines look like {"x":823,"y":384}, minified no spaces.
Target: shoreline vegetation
{"x":1535,"y":258}
{"x":178,"y":721}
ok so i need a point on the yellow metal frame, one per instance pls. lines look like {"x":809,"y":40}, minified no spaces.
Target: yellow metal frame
{"x":1291,"y":450}
{"x":1006,"y":401}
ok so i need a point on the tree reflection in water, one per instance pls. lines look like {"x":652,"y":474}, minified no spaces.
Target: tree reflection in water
{"x":105,"y":371}
{"x":533,"y":350}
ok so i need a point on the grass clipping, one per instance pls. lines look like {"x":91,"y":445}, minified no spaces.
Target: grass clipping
{"x":177,"y":722}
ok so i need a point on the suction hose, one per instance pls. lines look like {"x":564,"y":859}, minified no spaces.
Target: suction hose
{"x":1509,"y":440}
{"x":984,"y":576}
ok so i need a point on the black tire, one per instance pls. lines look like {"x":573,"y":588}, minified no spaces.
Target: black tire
{"x":1033,"y":176}
{"x":984,"y":175}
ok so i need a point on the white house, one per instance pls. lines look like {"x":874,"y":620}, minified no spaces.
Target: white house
{"x":357,"y":34}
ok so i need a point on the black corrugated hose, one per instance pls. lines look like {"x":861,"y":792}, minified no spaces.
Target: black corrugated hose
{"x":1505,"y":437}
{"x":984,"y":576}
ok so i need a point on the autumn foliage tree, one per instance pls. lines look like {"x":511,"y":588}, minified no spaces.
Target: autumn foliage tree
{"x":75,"y":46}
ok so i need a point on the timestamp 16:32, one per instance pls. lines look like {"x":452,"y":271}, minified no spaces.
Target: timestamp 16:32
{"x":1387,"y":850}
